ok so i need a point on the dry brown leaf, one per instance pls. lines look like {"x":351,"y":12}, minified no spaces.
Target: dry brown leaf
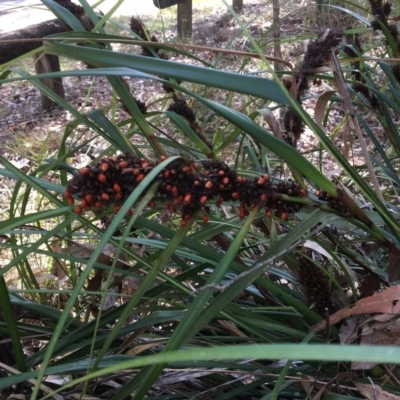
{"x":306,"y":383}
{"x":348,"y":331}
{"x":375,"y":392}
{"x":385,"y":302}
{"x":271,"y":121}
{"x":141,"y":348}
{"x":320,"y":108}
{"x":379,"y":338}
{"x":232,"y":329}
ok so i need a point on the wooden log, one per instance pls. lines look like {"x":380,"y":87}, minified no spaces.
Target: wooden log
{"x":49,"y":63}
{"x":161,"y":4}
{"x":185,"y":18}
{"x":10,"y":50}
{"x":43,"y":63}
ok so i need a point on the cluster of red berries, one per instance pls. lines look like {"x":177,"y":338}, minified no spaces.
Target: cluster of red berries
{"x":185,"y":186}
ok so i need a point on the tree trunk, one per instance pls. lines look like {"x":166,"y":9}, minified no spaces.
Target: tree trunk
{"x":49,"y":63}
{"x":237,"y":5}
{"x":185,"y":18}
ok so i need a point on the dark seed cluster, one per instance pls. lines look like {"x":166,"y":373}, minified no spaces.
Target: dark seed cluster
{"x":140,"y":29}
{"x":331,"y":201}
{"x":360,"y":85}
{"x":316,"y":286}
{"x":317,"y":55}
{"x":185,"y":187}
{"x":381,"y":11}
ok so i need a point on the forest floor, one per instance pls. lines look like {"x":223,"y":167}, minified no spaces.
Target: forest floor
{"x":21,"y":115}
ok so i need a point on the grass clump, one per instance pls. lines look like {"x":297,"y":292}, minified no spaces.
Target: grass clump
{"x":186,"y":235}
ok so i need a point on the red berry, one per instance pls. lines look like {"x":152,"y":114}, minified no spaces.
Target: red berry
{"x":208,"y":185}
{"x":117,"y":207}
{"x":163,"y":158}
{"x":235,"y":195}
{"x":102,"y":178}
{"x":183,"y":223}
{"x":78,"y":210}
{"x":123,"y":164}
{"x":268,"y":213}
{"x":240,"y":179}
{"x":284,"y":216}
{"x":166,"y":174}
{"x":167,"y":206}
{"x":139,"y":178}
{"x":98,"y":204}
{"x":116,"y":187}
{"x":263,"y":197}
{"x":203,"y":199}
{"x":302,"y":193}
{"x":168,"y":188}
{"x":186,"y":169}
{"x":225,"y":180}
{"x":104,"y":167}
{"x":67,"y":194}
{"x":221,"y":172}
{"x":118,"y":196}
{"x":105,"y":196}
{"x":136,"y":171}
{"x":84,"y":170}
{"x":71,"y":201}
{"x":152,"y":204}
{"x":196,"y":166}
{"x":187,"y":199}
{"x":175,"y":191}
{"x":83,"y":203}
{"x":205,"y":218}
{"x":89,"y":198}
{"x":261,"y":181}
